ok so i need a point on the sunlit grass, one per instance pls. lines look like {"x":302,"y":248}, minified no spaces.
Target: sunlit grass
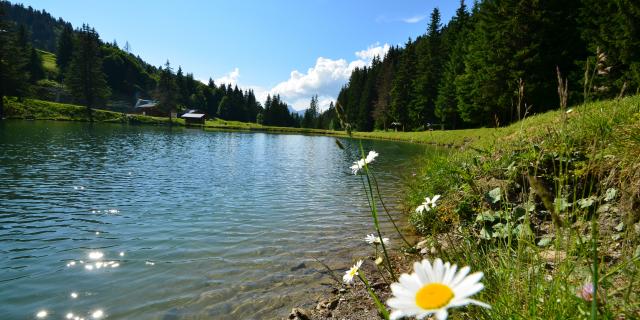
{"x":545,"y":208}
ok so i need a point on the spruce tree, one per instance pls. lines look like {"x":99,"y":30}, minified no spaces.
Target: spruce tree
{"x":12,"y":79}
{"x":429,"y":66}
{"x":64,"y":52}
{"x":402,"y":88}
{"x":36,"y":70}
{"x":166,"y":92}
{"x":85,"y":78}
{"x":446,"y":106}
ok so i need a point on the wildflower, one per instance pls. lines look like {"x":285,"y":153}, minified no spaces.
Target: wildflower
{"x":586,"y":293}
{"x":371,"y":156}
{"x":379,"y":261}
{"x":349,"y":274}
{"x":432,"y":289}
{"x":357,"y":165}
{"x":428,"y":204}
{"x":372,"y":239}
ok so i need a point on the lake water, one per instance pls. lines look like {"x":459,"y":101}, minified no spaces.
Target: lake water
{"x":175,"y":223}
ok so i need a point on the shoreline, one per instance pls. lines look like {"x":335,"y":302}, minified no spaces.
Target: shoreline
{"x":33,"y":109}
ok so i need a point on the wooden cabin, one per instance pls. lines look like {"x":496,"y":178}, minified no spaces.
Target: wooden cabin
{"x":193,"y":118}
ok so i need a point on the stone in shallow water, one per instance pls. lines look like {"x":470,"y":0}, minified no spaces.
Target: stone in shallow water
{"x":299,"y":314}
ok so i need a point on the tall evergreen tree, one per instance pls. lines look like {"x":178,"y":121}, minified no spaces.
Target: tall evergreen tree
{"x":12,"y":79}
{"x":402,"y":88}
{"x":446,"y":106}
{"x":167,"y":91}
{"x":64,"y":52}
{"x":309,"y":120}
{"x":85,"y":78}
{"x":429,"y":66}
{"x":35,"y":68}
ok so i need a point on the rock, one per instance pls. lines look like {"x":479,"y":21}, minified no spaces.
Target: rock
{"x":299,"y":314}
{"x":342,"y":290}
{"x":327,"y":304}
{"x":299,"y":266}
{"x":553,"y":255}
{"x":422,"y":244}
{"x":378,"y":285}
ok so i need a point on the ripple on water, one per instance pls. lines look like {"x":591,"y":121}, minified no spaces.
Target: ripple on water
{"x":118,"y":219}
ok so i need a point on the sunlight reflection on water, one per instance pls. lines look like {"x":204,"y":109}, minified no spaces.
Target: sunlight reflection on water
{"x":213,"y":225}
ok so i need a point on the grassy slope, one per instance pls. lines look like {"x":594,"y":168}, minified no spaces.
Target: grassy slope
{"x":49,"y":61}
{"x":536,"y":243}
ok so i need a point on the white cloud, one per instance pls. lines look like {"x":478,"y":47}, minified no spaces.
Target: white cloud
{"x":231,"y":77}
{"x":324,"y":79}
{"x":373,"y":51}
{"x":414,"y":19}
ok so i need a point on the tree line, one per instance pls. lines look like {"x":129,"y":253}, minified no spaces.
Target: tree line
{"x":100,"y":74}
{"x":492,"y":64}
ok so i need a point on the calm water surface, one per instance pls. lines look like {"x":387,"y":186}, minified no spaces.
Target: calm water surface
{"x":175,"y":223}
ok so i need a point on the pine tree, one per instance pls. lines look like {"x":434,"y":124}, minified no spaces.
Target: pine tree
{"x":64,"y":52}
{"x":446,"y":106}
{"x":309,"y":120}
{"x":429,"y":65}
{"x":166,"y":93}
{"x":36,"y":70}
{"x":12,"y":79}
{"x":402,"y":87}
{"x":85,"y":78}
{"x":224,"y":108}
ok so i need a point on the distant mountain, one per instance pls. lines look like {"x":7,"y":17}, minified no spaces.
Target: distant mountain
{"x":294,"y":111}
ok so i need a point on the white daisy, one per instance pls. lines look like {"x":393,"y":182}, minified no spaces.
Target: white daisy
{"x":432,"y":289}
{"x":371,"y":156}
{"x":431,"y":202}
{"x":372,"y":239}
{"x":349,"y":274}
{"x":357,"y":165}
{"x":422,"y":208}
{"x":428,"y":204}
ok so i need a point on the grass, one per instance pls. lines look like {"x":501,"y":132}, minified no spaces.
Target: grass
{"x":46,"y":110}
{"x":542,"y":207}
{"x":49,"y":62}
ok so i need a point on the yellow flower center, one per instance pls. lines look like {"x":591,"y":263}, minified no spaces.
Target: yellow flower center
{"x":433,"y":296}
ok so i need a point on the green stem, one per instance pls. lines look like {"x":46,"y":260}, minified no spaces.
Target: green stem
{"x":379,"y":304}
{"x":594,"y":239}
{"x":375,"y":181}
{"x":374,"y":213}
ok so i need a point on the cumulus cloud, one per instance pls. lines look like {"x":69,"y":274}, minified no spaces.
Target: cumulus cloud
{"x":231,"y":77}
{"x":414,"y":19}
{"x":325,"y":78}
{"x":373,"y":51}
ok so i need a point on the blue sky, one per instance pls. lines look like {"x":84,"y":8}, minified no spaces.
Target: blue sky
{"x":293,"y":48}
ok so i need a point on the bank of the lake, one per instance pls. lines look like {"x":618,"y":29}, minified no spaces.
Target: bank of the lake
{"x":547,"y":208}
{"x":34,"y":109}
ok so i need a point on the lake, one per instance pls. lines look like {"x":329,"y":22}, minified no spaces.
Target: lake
{"x":146,"y":222}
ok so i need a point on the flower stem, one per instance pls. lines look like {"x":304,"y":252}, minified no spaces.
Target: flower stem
{"x":375,"y":181}
{"x":374,"y":214}
{"x":379,"y":304}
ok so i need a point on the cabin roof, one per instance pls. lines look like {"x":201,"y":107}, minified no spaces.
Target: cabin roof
{"x":193,"y":115}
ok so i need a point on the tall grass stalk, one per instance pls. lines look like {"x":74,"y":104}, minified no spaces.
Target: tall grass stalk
{"x":374,"y":212}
